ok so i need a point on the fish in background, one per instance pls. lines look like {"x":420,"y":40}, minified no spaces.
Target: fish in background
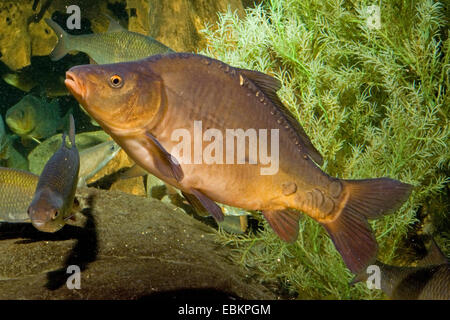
{"x":9,"y":156}
{"x":430,"y":280}
{"x":16,"y":192}
{"x":93,"y":159}
{"x":21,"y":81}
{"x":53,"y":199}
{"x":141,"y":103}
{"x":49,"y":85}
{"x":4,"y":141}
{"x":17,"y":187}
{"x":117,"y":44}
{"x":33,"y":118}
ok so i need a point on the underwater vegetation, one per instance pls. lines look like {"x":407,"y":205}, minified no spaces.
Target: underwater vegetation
{"x":373,"y":98}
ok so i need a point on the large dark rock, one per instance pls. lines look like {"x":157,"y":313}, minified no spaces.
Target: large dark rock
{"x":127,"y":247}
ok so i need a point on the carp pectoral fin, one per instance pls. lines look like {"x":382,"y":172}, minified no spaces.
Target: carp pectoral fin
{"x":284,"y":223}
{"x":172,"y":163}
{"x":203,"y":204}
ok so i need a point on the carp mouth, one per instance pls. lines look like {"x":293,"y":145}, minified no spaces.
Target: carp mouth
{"x":75,"y":87}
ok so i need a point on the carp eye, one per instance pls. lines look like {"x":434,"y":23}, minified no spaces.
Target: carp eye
{"x":55,"y":215}
{"x":116,"y":81}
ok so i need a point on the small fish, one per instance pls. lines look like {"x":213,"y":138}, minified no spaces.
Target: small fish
{"x":21,"y":81}
{"x":3,"y":141}
{"x":49,"y":84}
{"x":116,"y":45}
{"x":428,"y":281}
{"x":53,"y":199}
{"x":141,"y":104}
{"x":32,"y":118}
{"x":92,"y":160}
{"x":16,"y":192}
{"x":9,"y":156}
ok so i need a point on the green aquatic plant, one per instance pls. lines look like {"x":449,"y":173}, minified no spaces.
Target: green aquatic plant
{"x":373,"y":98}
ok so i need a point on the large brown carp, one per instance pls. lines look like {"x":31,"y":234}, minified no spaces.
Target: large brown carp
{"x":148,"y":105}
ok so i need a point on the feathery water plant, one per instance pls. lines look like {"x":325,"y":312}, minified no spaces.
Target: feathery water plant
{"x":374,"y":101}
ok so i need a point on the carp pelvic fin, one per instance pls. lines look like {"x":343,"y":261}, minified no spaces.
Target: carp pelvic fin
{"x":168,"y":159}
{"x":194,"y":202}
{"x":284,"y":223}
{"x":203,"y":204}
{"x":350,"y":230}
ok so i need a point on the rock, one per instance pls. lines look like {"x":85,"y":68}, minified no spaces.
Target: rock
{"x":177,"y":23}
{"x":127,"y":247}
{"x":14,"y":39}
{"x":16,"y":159}
{"x":20,"y":38}
{"x":121,"y":160}
{"x":133,"y":186}
{"x":156,"y":188}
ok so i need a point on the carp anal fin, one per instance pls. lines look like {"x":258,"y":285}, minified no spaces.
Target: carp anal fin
{"x":284,"y":223}
{"x":203,"y":204}
{"x":269,"y":86}
{"x":171,"y":162}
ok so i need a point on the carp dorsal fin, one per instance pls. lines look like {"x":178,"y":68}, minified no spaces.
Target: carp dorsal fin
{"x":114,"y":26}
{"x":434,"y":256}
{"x":263,"y":81}
{"x":71,"y":131}
{"x":269,"y":86}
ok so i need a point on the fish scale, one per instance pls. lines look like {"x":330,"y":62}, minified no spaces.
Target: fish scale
{"x":16,"y":192}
